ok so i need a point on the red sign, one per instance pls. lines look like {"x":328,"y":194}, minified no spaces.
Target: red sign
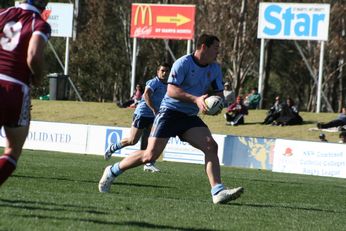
{"x":162,"y":21}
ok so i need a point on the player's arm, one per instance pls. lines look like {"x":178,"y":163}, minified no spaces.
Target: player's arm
{"x":35,"y":57}
{"x":147,"y":98}
{"x":179,"y":94}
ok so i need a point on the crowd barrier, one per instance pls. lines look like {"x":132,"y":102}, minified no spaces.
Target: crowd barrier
{"x":279,"y":155}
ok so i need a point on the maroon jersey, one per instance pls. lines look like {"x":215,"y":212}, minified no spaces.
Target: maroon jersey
{"x":17,"y":24}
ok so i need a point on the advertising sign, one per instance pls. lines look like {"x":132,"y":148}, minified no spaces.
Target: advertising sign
{"x":162,"y":21}
{"x":60,"y":18}
{"x":249,"y":152}
{"x":321,"y":158}
{"x":62,"y":137}
{"x":295,"y":21}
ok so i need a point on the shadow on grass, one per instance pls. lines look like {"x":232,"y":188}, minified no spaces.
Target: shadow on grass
{"x":133,"y":224}
{"x":89,"y":181}
{"x":39,"y":205}
{"x":284,"y":207}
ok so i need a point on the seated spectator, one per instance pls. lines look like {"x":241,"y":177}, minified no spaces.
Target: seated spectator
{"x":235,"y":112}
{"x":289,"y":114}
{"x":229,"y":94}
{"x":339,"y":122}
{"x":274,"y":111}
{"x":342,"y":137}
{"x":135,"y":98}
{"x":253,"y":99}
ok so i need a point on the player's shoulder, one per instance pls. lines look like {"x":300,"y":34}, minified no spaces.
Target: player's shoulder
{"x":183,"y":59}
{"x":152,"y":81}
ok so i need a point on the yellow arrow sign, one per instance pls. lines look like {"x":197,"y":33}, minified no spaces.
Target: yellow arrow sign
{"x":178,"y":20}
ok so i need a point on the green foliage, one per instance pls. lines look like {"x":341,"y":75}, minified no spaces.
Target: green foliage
{"x":101,"y":54}
{"x":58,"y":191}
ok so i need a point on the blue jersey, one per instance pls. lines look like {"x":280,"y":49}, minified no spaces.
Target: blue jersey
{"x":193,"y":79}
{"x":158,"y":89}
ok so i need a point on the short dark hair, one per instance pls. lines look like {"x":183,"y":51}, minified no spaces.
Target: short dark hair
{"x":206,"y":39}
{"x":164,"y":65}
{"x":40,"y":4}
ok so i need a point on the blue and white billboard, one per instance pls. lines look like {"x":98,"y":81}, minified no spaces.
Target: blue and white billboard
{"x":293,"y":21}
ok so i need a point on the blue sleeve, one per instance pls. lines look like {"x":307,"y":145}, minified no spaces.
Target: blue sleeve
{"x":178,"y":72}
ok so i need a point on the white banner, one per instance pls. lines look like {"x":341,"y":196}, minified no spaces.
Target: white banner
{"x":293,"y":21}
{"x":311,"y":158}
{"x":60,"y":18}
{"x":179,"y":151}
{"x":63,"y":137}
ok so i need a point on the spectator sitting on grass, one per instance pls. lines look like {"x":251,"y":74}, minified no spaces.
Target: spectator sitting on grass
{"x":229,"y":94}
{"x":236,"y":112}
{"x":253,"y":99}
{"x":137,"y":96}
{"x":289,"y":114}
{"x":274,"y":111}
{"x":339,"y":122}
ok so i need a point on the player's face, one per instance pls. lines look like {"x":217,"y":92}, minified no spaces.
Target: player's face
{"x":212,"y":51}
{"x":163,"y":73}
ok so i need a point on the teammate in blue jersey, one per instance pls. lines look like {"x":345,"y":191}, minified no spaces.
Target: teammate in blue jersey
{"x":189,"y":80}
{"x":144,"y":115}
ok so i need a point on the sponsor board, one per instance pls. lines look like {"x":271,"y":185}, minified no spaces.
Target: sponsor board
{"x":180,"y":151}
{"x":63,"y":137}
{"x":60,"y":18}
{"x":296,"y":21}
{"x":249,"y":152}
{"x":315,"y":158}
{"x":164,"y":21}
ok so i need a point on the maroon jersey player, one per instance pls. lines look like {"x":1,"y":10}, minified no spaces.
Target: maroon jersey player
{"x":23,"y":37}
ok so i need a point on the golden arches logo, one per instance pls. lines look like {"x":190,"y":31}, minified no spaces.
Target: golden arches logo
{"x":144,"y":9}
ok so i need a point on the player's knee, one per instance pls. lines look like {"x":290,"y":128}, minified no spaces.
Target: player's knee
{"x":14,"y":153}
{"x":212,"y":146}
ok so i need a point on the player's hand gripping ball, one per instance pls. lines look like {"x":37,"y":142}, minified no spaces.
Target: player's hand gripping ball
{"x":214,"y":104}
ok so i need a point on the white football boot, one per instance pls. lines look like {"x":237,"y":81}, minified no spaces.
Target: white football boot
{"x":106,"y":180}
{"x":149,"y":167}
{"x":109,"y":151}
{"x":227,"y":195}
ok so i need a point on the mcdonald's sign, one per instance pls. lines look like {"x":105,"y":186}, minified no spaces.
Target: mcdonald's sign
{"x":162,"y":21}
{"x":144,"y":10}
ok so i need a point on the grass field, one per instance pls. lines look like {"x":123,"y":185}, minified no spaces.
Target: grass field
{"x":57,"y":191}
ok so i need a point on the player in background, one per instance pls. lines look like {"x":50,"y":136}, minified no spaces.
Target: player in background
{"x":144,"y":115}
{"x":189,"y":80}
{"x":23,"y":37}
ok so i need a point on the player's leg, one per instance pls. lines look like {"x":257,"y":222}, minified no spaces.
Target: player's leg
{"x":15,"y":138}
{"x":148,"y":167}
{"x":153,"y":151}
{"x":131,"y":139}
{"x":201,"y":138}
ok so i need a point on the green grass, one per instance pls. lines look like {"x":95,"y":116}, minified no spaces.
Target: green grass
{"x":57,"y":191}
{"x":110,"y":114}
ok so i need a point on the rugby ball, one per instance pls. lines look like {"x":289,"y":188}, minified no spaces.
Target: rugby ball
{"x":214,"y":104}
